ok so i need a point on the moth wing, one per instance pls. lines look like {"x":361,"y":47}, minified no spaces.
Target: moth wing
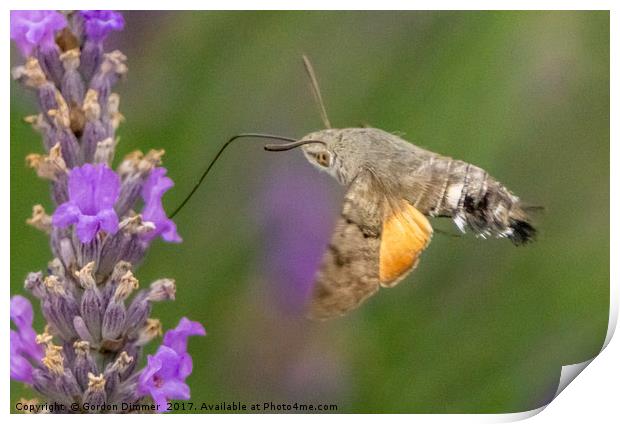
{"x":405,"y":233}
{"x":377,"y":241}
{"x":349,"y":270}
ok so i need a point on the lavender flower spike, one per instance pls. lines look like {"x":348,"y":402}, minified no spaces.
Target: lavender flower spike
{"x":98,"y":320}
{"x":35,"y":28}
{"x":164,"y":376}
{"x":93,"y":190}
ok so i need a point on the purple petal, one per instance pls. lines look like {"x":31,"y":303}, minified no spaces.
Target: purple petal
{"x":152,"y":192}
{"x":160,"y":400}
{"x":20,"y":350}
{"x":108,"y":220}
{"x":160,"y":378}
{"x":145,"y":382}
{"x":93,"y":190}
{"x":21,"y":312}
{"x":65,"y":215}
{"x":170,"y":361}
{"x":99,"y":23}
{"x":185,"y":366}
{"x":169,"y":233}
{"x":16,"y":342}
{"x":156,"y":184}
{"x":93,"y":187}
{"x":35,"y":28}
{"x":154,"y":212}
{"x":23,"y":342}
{"x":164,"y":376}
{"x":107,"y":186}
{"x":81,"y":190}
{"x":176,"y":339}
{"x":21,"y":369}
{"x":175,"y":389}
{"x":87,"y":228}
{"x":80,"y":328}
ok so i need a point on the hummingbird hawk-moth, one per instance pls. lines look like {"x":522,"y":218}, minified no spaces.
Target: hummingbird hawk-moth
{"x":393,"y":187}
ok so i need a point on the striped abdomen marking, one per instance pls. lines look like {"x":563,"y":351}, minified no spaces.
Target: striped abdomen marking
{"x":475,"y":201}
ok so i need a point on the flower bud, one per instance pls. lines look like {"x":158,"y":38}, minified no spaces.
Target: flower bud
{"x":49,"y":58}
{"x":53,"y":359}
{"x":113,"y":111}
{"x":163,"y":289}
{"x":94,"y":130}
{"x":72,"y":86}
{"x":138,"y":313}
{"x":114,"y":371}
{"x":34,"y":284}
{"x":51,"y":167}
{"x":62,"y":248}
{"x":43,"y":383}
{"x":112,"y":68}
{"x":40,"y":220}
{"x":113,"y":320}
{"x":105,"y":150}
{"x":68,"y":385}
{"x":68,"y":142}
{"x":55,"y":267}
{"x":84,"y":363}
{"x":134,"y":170}
{"x":120,"y":269}
{"x":149,"y":331}
{"x":136,"y":225}
{"x":90,"y":309}
{"x":95,"y":394}
{"x":82,"y":330}
{"x":60,"y":307}
{"x":126,"y":285}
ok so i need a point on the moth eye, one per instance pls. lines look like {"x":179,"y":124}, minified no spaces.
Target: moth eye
{"x":323,"y":159}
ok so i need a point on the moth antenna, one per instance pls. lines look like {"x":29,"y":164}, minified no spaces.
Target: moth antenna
{"x":316,"y":91}
{"x":217,"y":156}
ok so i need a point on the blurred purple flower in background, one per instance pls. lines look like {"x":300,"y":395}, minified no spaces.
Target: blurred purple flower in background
{"x":35,"y":28}
{"x":93,"y":190}
{"x":297,"y":208}
{"x":298,"y":211}
{"x":98,"y":321}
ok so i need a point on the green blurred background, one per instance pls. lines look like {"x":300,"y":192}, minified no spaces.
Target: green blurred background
{"x":480,"y":326}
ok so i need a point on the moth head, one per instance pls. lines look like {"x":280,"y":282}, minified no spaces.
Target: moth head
{"x":324,"y":155}
{"x":319,"y":155}
{"x":323,"y":149}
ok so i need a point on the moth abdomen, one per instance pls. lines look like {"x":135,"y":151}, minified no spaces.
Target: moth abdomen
{"x":478,"y":202}
{"x":490,"y":209}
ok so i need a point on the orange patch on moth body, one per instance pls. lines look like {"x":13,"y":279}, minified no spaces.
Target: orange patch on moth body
{"x":406,"y":233}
